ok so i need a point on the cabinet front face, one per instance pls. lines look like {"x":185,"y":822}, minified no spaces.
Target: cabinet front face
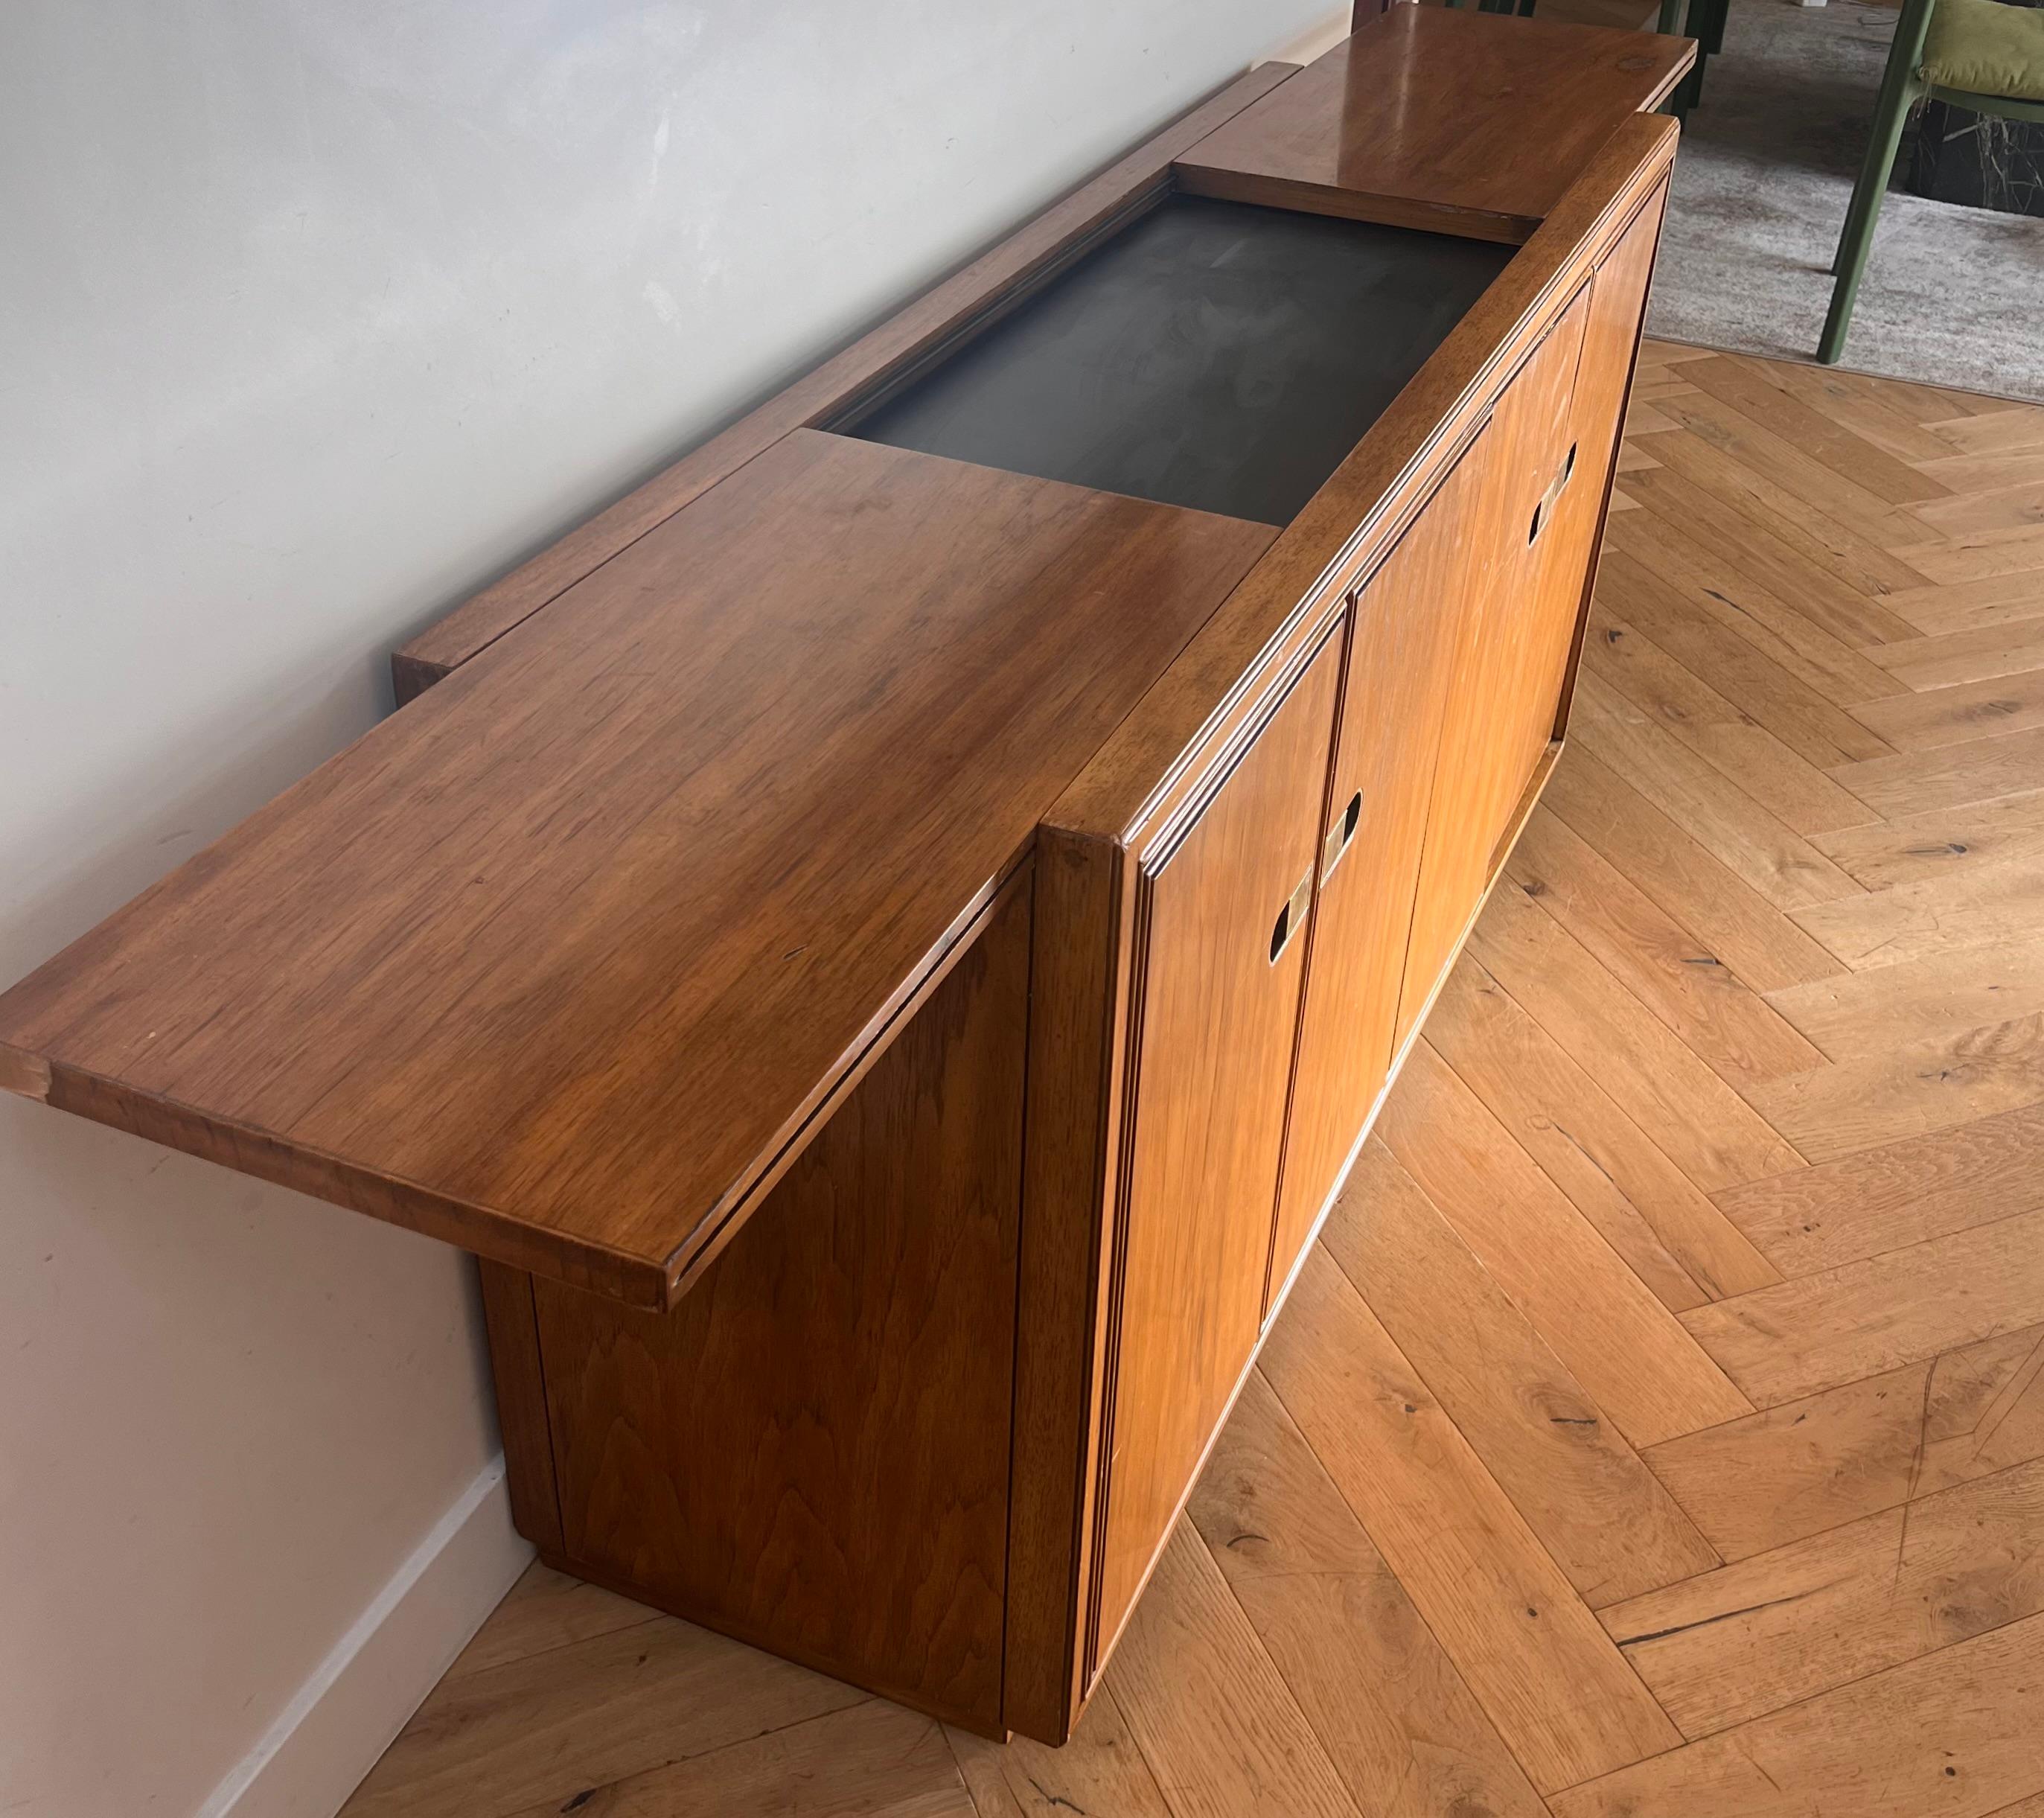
{"x":1501,"y":673}
{"x":1406,"y":625}
{"x":1221,"y":948}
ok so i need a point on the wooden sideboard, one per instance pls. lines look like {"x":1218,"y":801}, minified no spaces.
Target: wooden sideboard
{"x":886,"y":941}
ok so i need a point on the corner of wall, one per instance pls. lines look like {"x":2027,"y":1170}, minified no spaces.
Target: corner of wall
{"x":346,"y":1713}
{"x":1315,"y":41}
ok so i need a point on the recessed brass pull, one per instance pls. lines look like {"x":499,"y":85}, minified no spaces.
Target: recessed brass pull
{"x":1339,"y":837}
{"x":1545,"y":509}
{"x":1292,"y":917}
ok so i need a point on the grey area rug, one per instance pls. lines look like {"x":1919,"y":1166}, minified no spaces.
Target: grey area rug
{"x":1952,"y":296}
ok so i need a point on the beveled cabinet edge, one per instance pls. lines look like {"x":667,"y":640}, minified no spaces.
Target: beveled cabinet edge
{"x":1079,"y":976}
{"x":906,"y":335}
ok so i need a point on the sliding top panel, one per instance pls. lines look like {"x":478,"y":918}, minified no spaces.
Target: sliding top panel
{"x":560,"y":962}
{"x":1473,"y":122}
{"x":1210,"y":354}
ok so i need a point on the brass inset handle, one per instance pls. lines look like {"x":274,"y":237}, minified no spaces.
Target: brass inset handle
{"x":1339,"y":837}
{"x":1545,"y":509}
{"x":1292,"y":917}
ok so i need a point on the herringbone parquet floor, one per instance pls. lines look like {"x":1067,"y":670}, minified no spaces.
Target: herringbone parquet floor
{"x":1659,"y":1426}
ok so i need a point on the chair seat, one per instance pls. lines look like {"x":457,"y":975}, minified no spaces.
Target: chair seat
{"x":1986,"y":47}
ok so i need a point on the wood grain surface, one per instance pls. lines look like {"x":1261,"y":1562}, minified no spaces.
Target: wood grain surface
{"x":1465,"y":122}
{"x":566,"y":961}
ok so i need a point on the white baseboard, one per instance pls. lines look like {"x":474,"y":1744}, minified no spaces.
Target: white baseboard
{"x":357,"y":1700}
{"x":1316,"y":40}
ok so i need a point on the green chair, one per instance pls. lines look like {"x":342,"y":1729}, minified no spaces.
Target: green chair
{"x":1979,"y":53}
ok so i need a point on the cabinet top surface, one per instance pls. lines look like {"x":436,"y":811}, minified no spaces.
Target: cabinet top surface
{"x":1461,"y":112}
{"x":560,"y":960}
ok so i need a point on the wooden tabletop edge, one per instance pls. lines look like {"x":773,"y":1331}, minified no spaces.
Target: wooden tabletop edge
{"x":287,"y":1162}
{"x":26,"y":1074}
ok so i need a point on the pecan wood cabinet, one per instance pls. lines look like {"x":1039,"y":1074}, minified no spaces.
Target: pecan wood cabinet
{"x":886,"y":941}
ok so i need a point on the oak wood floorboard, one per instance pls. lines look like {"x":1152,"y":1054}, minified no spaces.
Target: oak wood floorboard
{"x":546,"y":1610}
{"x":1789,"y":564}
{"x":2017,"y":426}
{"x":1819,"y":1331}
{"x":1757,"y":453}
{"x":1921,"y":1086}
{"x":1798,"y":715}
{"x":1099,"y":1770}
{"x":1988,"y":903}
{"x":2017,"y":503}
{"x":1866,"y":1014}
{"x":1623,"y":1344}
{"x":1952,"y":716}
{"x":1762,"y":390}
{"x":1551,"y":1679}
{"x":1980,"y":653}
{"x":872,"y":1760}
{"x":558,"y":1724}
{"x":1794,"y":1470}
{"x":1750,"y":1638}
{"x":1718,"y":1017}
{"x":1981,"y":555}
{"x":2001,"y":600}
{"x":1710,"y":576}
{"x":1905,"y":420}
{"x":1772,"y":856}
{"x":1986,"y":473}
{"x":1207,"y":1705}
{"x":1404,"y":1731}
{"x":1802,"y":797}
{"x":1900,"y":1194}
{"x":1664,"y":863}
{"x":1602,"y":1514}
{"x":1670,"y":1233}
{"x":1944,"y":843}
{"x":1817,"y":533}
{"x":1951,"y":1734}
{"x":1703,"y":1125}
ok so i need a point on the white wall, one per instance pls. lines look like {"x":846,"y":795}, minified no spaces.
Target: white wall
{"x":313,"y":317}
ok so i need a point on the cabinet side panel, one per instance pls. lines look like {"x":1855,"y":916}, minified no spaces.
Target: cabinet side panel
{"x":508,"y":1315}
{"x":1077,"y":989}
{"x":811,"y":1452}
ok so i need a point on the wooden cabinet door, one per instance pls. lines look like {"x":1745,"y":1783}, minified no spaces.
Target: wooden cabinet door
{"x":1220,"y":948}
{"x":1405,"y":629}
{"x":1568,"y":541}
{"x":1483,"y":765}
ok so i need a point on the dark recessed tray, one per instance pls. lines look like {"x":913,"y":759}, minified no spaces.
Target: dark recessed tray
{"x":1210,"y":354}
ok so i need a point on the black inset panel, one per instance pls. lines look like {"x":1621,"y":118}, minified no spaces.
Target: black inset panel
{"x":1213,"y":354}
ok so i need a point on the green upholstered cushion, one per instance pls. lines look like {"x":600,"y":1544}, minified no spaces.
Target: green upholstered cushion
{"x":1986,"y":47}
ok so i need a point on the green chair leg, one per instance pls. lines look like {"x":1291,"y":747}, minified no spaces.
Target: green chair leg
{"x":1671,"y":17}
{"x":1900,"y":88}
